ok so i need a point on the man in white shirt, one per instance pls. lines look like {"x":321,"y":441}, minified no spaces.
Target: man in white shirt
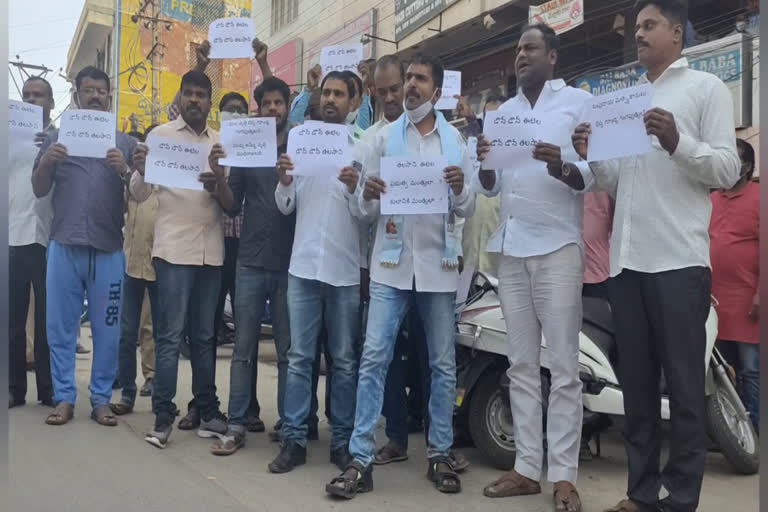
{"x":414,"y":259}
{"x":660,"y":259}
{"x":29,"y":226}
{"x":323,"y":283}
{"x":540,"y":273}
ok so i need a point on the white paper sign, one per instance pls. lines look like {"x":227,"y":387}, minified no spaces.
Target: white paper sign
{"x":89,"y":133}
{"x":175,"y":164}
{"x":24,"y":122}
{"x":512,"y":136}
{"x":450,"y":92}
{"x":319,"y":149}
{"x":561,"y":15}
{"x":618,"y":129}
{"x":414,"y":185}
{"x":249,"y":142}
{"x":341,"y":58}
{"x":472,"y":153}
{"x":231,"y":38}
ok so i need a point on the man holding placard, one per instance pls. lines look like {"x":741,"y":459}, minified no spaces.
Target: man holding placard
{"x":541,"y":266}
{"x":29,"y":226}
{"x":188,"y":252}
{"x":415,"y":257}
{"x":660,"y":291}
{"x":262,"y":273}
{"x":324,"y":273}
{"x":85,"y":253}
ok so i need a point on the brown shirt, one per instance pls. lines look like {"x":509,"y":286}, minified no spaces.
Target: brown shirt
{"x":139,"y":234}
{"x":188,"y":229}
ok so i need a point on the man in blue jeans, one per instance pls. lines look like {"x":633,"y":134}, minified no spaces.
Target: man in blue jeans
{"x":262,"y":273}
{"x":188,"y":254}
{"x":323,"y":280}
{"x":414,"y":263}
{"x":85,"y":254}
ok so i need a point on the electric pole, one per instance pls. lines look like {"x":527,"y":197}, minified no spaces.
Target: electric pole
{"x":23,"y":69}
{"x":156,"y":53}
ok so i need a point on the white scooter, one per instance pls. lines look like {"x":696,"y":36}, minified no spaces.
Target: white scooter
{"x":483,"y":393}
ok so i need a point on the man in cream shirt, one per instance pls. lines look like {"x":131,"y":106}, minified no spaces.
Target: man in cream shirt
{"x":660,"y":292}
{"x":414,"y":258}
{"x":188,"y":254}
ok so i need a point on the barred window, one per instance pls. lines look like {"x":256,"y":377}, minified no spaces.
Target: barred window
{"x":284,"y":12}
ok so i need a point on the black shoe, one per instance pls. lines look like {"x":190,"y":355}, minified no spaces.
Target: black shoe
{"x":291,"y":455}
{"x":341,"y":457}
{"x":254,"y":424}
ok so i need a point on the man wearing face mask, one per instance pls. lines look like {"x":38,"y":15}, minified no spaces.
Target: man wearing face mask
{"x":323,"y":283}
{"x":415,"y":258}
{"x":660,"y":259}
{"x":541,"y":267}
{"x":29,"y":226}
{"x":262,"y":274}
{"x":85,"y":254}
{"x":188,"y":254}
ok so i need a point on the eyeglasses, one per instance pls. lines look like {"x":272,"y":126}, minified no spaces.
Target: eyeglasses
{"x":92,"y":91}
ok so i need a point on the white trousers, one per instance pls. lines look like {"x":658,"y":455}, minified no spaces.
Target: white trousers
{"x":542,"y":294}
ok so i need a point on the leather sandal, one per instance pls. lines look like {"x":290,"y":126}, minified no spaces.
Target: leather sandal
{"x":443,"y":475}
{"x":349,"y":484}
{"x":628,"y":505}
{"x":566,"y":497}
{"x":61,"y":415}
{"x":102,"y":415}
{"x":512,"y":483}
{"x":121,"y":408}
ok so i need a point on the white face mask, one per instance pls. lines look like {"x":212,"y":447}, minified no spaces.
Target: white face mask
{"x":419,"y":113}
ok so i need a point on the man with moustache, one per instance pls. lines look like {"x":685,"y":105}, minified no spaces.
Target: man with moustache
{"x":29,"y":226}
{"x":541,"y":268}
{"x":188,"y":254}
{"x":660,"y":259}
{"x":262,"y":273}
{"x":85,"y":254}
{"x":415,"y":259}
{"x":323,"y":284}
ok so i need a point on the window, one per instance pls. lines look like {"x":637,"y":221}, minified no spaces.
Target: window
{"x":284,"y":12}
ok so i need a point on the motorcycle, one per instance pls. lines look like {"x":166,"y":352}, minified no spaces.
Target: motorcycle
{"x":482,"y":404}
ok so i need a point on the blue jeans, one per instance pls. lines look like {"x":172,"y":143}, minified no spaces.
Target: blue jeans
{"x":254,"y":287}
{"x":387,"y":309}
{"x":186,"y":294}
{"x":133,"y":298}
{"x":72,"y":272}
{"x":745,"y":357}
{"x":308,"y":301}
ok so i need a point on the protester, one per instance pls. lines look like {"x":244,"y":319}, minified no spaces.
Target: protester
{"x":660,"y":294}
{"x":415,"y":259}
{"x":188,"y":254}
{"x":735,"y":253}
{"x":262,"y":274}
{"x":29,"y":226}
{"x":540,"y":277}
{"x":85,"y":254}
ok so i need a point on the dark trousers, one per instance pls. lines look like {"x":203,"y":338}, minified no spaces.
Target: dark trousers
{"x":27,"y":264}
{"x":660,"y":324}
{"x":597,"y":290}
{"x":228,"y":281}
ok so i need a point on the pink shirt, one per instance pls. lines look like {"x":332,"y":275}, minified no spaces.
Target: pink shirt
{"x":598,"y":225}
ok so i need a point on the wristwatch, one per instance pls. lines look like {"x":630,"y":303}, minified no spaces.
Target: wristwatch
{"x":565,"y":170}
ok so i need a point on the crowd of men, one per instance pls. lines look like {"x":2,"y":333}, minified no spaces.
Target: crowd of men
{"x":319,"y":253}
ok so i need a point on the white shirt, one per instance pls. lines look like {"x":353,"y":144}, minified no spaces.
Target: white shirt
{"x":326,"y":244}
{"x":423,"y":235}
{"x":29,"y":218}
{"x":540,"y":214}
{"x":663,"y":205}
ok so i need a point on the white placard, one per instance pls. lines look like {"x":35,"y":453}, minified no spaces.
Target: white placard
{"x":472,"y":154}
{"x":414,"y":185}
{"x":175,"y":164}
{"x":618,"y":129}
{"x":231,"y":38}
{"x":465,"y":282}
{"x":88,"y":133}
{"x":561,"y":15}
{"x":25,"y":120}
{"x":341,"y":58}
{"x":249,"y":142}
{"x":513,"y":136}
{"x":450,"y":91}
{"x":319,"y":149}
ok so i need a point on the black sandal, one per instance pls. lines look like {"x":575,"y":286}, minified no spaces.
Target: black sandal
{"x":446,"y":481}
{"x":351,"y":487}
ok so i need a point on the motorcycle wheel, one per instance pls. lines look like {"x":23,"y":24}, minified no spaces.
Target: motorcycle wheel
{"x":490,"y":422}
{"x":735,"y":436}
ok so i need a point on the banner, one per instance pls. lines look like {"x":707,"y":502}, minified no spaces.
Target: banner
{"x":561,"y":15}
